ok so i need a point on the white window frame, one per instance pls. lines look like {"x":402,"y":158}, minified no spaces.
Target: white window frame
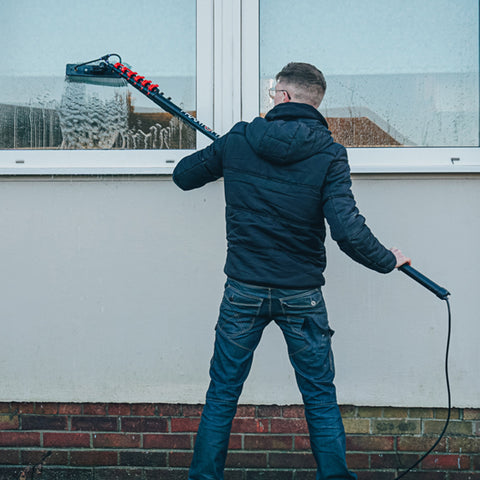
{"x":365,"y":159}
{"x":112,"y":162}
{"x":227,"y":91}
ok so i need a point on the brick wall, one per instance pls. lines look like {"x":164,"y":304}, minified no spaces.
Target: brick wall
{"x":154,"y":441}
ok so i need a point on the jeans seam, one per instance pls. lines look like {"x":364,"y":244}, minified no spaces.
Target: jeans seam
{"x":226,"y":337}
{"x":299,"y":295}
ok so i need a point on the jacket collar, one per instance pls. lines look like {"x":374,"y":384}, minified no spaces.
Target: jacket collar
{"x":294,"y":110}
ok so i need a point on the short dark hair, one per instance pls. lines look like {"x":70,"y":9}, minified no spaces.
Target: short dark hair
{"x":308,"y":78}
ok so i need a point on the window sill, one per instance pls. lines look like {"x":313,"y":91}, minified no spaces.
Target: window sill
{"x":415,"y":160}
{"x":90,"y":162}
{"x":162,"y":162}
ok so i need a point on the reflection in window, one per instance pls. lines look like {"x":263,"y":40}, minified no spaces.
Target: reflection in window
{"x":41,"y":108}
{"x":399,"y":72}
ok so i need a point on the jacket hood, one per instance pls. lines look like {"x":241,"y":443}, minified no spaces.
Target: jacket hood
{"x":289,"y":133}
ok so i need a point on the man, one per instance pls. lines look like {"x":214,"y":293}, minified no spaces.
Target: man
{"x":283,"y":176}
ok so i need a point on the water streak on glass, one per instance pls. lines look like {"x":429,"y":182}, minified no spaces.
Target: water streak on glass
{"x":92,"y":116}
{"x":61,"y":113}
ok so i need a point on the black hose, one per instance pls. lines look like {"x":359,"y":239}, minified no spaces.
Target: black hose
{"x":448,"y":393}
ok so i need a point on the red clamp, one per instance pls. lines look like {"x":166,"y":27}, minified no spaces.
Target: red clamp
{"x":136,"y":78}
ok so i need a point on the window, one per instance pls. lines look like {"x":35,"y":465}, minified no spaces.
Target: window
{"x":400,"y":73}
{"x":48,"y":119}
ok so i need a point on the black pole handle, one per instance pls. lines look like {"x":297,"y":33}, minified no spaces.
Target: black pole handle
{"x":439,"y":291}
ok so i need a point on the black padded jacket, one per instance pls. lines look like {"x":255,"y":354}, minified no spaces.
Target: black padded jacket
{"x":283,"y":176}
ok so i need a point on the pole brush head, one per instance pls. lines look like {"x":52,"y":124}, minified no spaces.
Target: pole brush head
{"x":97,"y":74}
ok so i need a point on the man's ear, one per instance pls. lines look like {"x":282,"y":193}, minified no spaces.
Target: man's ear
{"x":285,"y":97}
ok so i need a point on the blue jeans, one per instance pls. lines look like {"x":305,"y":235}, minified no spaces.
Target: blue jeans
{"x":244,"y":313}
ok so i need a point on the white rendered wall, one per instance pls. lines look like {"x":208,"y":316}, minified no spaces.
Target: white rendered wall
{"x":110,"y":290}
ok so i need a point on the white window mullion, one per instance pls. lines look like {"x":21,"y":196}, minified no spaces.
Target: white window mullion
{"x":250,"y":60}
{"x":205,"y":74}
{"x":227,"y":64}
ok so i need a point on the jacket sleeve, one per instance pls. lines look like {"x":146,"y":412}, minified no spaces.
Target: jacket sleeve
{"x":347,"y":225}
{"x":201,"y":167}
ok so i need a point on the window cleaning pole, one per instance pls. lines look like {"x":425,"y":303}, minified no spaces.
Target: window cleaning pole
{"x":106,"y":69}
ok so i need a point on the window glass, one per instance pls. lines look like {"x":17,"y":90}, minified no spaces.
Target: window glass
{"x":399,"y":72}
{"x":40,"y":108}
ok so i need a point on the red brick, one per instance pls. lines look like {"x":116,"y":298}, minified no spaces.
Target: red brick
{"x":185,"y":424}
{"x":235,"y":442}
{"x":179,"y":459}
{"x":70,"y":409}
{"x":269,"y":411}
{"x":47,"y":408}
{"x":9,"y":457}
{"x":366,"y":443}
{"x":93,"y":458}
{"x":292,"y":460}
{"x":447,"y":462}
{"x":246,"y":460}
{"x":357,"y":460}
{"x":51,"y":439}
{"x":302,"y":442}
{"x":463,"y":476}
{"x":143,"y":409}
{"x":279,"y":425}
{"x":246,"y":411}
{"x":32,"y":457}
{"x":293,"y":411}
{"x":143,"y":459}
{"x":4,"y":407}
{"x":249,"y":425}
{"x":118,"y":409}
{"x":232,"y":474}
{"x":169,"y":410}
{"x":20,"y":439}
{"x":192,"y":410}
{"x":303,"y":474}
{"x":98,"y":423}
{"x":21,"y":407}
{"x":167,"y":441}
{"x":255,"y":474}
{"x":126,"y":473}
{"x":9,"y":422}
{"x":94,"y":409}
{"x":44,"y":422}
{"x":392,"y":460}
{"x":144,"y":424}
{"x":116,"y":440}
{"x":370,"y":475}
{"x":268,"y":442}
{"x":419,"y":444}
